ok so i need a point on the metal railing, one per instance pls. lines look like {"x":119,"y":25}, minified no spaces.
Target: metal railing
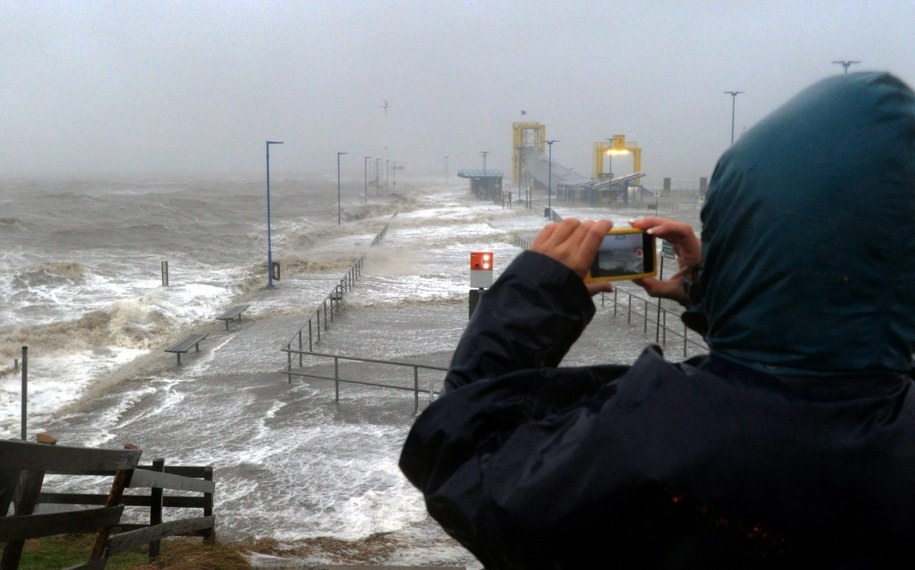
{"x":652,"y":314}
{"x":331,"y":304}
{"x":337,"y":379}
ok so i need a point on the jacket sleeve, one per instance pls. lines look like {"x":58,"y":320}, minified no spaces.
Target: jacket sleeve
{"x":529,"y":318}
{"x":506,"y":405}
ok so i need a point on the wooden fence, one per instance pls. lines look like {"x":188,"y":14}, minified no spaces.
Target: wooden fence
{"x":24,"y":465}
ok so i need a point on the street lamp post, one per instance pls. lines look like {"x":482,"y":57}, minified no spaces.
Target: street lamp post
{"x":733,"y":95}
{"x":377,"y":177}
{"x":483,"y":153}
{"x":549,"y":189}
{"x":366,"y":183}
{"x":269,"y":242}
{"x":338,"y":186}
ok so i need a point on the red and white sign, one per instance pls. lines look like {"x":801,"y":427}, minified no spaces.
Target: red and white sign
{"x":481,"y":263}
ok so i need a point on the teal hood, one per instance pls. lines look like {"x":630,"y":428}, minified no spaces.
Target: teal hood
{"x":808,"y":234}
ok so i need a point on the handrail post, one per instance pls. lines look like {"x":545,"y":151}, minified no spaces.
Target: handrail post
{"x":645,"y":325}
{"x":289,"y":364}
{"x":309,"y":336}
{"x":415,"y":389}
{"x":300,"y":348}
{"x":664,"y":336}
{"x":336,"y":379}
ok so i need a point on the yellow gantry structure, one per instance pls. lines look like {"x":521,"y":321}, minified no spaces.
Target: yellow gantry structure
{"x":525,"y":135}
{"x":616,"y":146}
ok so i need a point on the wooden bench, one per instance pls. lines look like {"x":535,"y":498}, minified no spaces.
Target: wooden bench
{"x":232,"y":313}
{"x":185,"y":345}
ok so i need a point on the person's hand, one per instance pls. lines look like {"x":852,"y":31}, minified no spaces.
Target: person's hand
{"x":574,"y":244}
{"x":689,"y":255}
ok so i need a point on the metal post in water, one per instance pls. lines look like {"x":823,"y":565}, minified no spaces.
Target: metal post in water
{"x":289,"y":364}
{"x":165,"y":274}
{"x":645,"y":326}
{"x":415,"y":389}
{"x":300,"y":347}
{"x":336,"y":379}
{"x":25,"y":390}
{"x":309,"y":335}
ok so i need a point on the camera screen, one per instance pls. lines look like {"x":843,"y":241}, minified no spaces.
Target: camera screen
{"x":622,"y":254}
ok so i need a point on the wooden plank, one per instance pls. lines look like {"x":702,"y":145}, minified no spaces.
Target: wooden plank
{"x":49,"y":524}
{"x":121,"y":480}
{"x":60,"y":459}
{"x":8,"y":480}
{"x":145,"y":478}
{"x":181,"y":502}
{"x":125,"y":541}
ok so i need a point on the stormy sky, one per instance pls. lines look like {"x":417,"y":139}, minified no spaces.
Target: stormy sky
{"x":196,"y":87}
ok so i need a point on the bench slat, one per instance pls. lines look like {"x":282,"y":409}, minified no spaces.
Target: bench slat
{"x":185,"y":345}
{"x":232,"y":313}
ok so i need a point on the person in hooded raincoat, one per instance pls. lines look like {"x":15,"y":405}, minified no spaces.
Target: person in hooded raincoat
{"x":792,"y":444}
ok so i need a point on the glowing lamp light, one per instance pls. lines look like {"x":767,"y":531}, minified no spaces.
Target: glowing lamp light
{"x":481,"y":261}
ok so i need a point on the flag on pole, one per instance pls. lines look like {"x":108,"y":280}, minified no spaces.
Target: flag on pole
{"x":523,"y":112}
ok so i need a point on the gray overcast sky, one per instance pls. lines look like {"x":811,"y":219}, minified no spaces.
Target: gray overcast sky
{"x":196,"y":87}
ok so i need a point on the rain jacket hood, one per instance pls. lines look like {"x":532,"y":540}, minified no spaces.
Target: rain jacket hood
{"x":809,"y":234}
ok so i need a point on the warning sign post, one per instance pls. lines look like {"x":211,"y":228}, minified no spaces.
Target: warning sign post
{"x":481,"y":264}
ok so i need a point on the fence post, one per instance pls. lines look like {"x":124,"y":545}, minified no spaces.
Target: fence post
{"x":309,"y":335}
{"x":25,"y":392}
{"x":210,"y":537}
{"x":155,"y":507}
{"x":629,"y":314}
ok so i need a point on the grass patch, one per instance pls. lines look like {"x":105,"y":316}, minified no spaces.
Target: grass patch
{"x":175,"y":554}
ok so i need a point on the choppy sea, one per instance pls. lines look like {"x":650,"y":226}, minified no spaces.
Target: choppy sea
{"x":81,"y":287}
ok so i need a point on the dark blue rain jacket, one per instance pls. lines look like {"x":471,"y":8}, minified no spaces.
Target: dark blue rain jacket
{"x":765,"y":454}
